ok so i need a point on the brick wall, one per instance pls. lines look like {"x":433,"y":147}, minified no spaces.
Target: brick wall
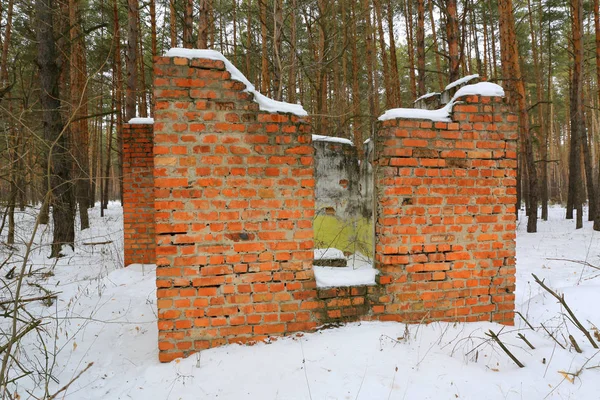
{"x":138,"y":196}
{"x":234,"y":204}
{"x":445,"y":230}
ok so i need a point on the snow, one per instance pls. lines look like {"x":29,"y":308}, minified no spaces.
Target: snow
{"x":443,"y":114}
{"x":265,"y":103}
{"x":332,"y":139}
{"x":426,"y":96}
{"x":328,"y":254}
{"x":461,"y":81}
{"x":440,"y":115}
{"x":141,"y":121}
{"x":106,"y":314}
{"x":487,"y":89}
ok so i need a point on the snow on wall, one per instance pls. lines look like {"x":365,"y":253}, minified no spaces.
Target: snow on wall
{"x":141,"y":121}
{"x":486,"y":89}
{"x":461,"y":81}
{"x":265,"y":103}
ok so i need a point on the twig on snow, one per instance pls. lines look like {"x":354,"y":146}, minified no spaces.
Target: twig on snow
{"x":561,"y":299}
{"x":511,"y":355}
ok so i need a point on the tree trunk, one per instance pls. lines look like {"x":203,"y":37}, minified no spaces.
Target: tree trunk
{"x":188,"y":24}
{"x":277,"y":61}
{"x":543,"y":134}
{"x":264,"y":65}
{"x":79,"y":110}
{"x":438,"y":62}
{"x":203,"y":25}
{"x":395,"y":79}
{"x":510,"y":57}
{"x":577,"y":116}
{"x":117,"y":79}
{"x":384,"y":59}
{"x":132,"y":39}
{"x":249,"y":41}
{"x":411,"y":48}
{"x":597,"y":34}
{"x":452,"y":36}
{"x":173,"y":23}
{"x":293,"y":42}
{"x":357,"y":121}
{"x":60,"y":180}
{"x":421,"y":47}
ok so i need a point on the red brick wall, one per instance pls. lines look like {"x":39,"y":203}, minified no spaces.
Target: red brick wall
{"x":138,"y":196}
{"x":445,"y":229}
{"x":234,"y":193}
{"x":234,"y":202}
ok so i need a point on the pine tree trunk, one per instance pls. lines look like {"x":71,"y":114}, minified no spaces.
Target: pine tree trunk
{"x":384,"y":59}
{"x":411,"y":48}
{"x":542,"y":135}
{"x":249,"y":40}
{"x":118,"y":82}
{"x":292,"y":68}
{"x":131,"y":58}
{"x":510,"y":57}
{"x":79,"y":108}
{"x":577,"y":116}
{"x":203,"y":25}
{"x":64,"y":232}
{"x":597,"y":37}
{"x":277,"y":56}
{"x":357,"y":121}
{"x":264,"y":69}
{"x":395,"y":79}
{"x":173,"y":23}
{"x":421,"y":47}
{"x":188,"y":24}
{"x":452,"y":36}
{"x":438,"y":62}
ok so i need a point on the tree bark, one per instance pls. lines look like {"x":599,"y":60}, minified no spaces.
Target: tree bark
{"x":452,"y":36}
{"x":264,"y":62}
{"x":395,"y":79}
{"x":131,"y":58}
{"x":576,"y":111}
{"x":173,"y":23}
{"x":59,"y":168}
{"x":411,"y":48}
{"x":597,"y":37}
{"x":188,"y":24}
{"x":421,"y":47}
{"x":203,"y":26}
{"x":438,"y":62}
{"x":511,"y":68}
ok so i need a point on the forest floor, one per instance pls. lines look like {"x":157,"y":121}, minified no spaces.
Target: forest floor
{"x":106,"y":314}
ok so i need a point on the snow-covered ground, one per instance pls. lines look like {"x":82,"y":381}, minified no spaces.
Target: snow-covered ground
{"x":106,"y":315}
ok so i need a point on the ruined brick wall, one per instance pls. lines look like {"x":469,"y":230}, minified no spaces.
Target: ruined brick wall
{"x":138,"y":194}
{"x":445,"y":229}
{"x":234,"y":193}
{"x":234,"y":202}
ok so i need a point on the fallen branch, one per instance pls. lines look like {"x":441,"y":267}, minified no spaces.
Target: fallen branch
{"x":587,"y":264}
{"x":552,"y":336}
{"x":575,"y":344}
{"x":41,"y":298}
{"x":525,"y":319}
{"x":19,"y":335}
{"x":523,"y":338}
{"x":96,"y":243}
{"x":511,"y":355}
{"x":62,"y":389}
{"x":561,"y":299}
